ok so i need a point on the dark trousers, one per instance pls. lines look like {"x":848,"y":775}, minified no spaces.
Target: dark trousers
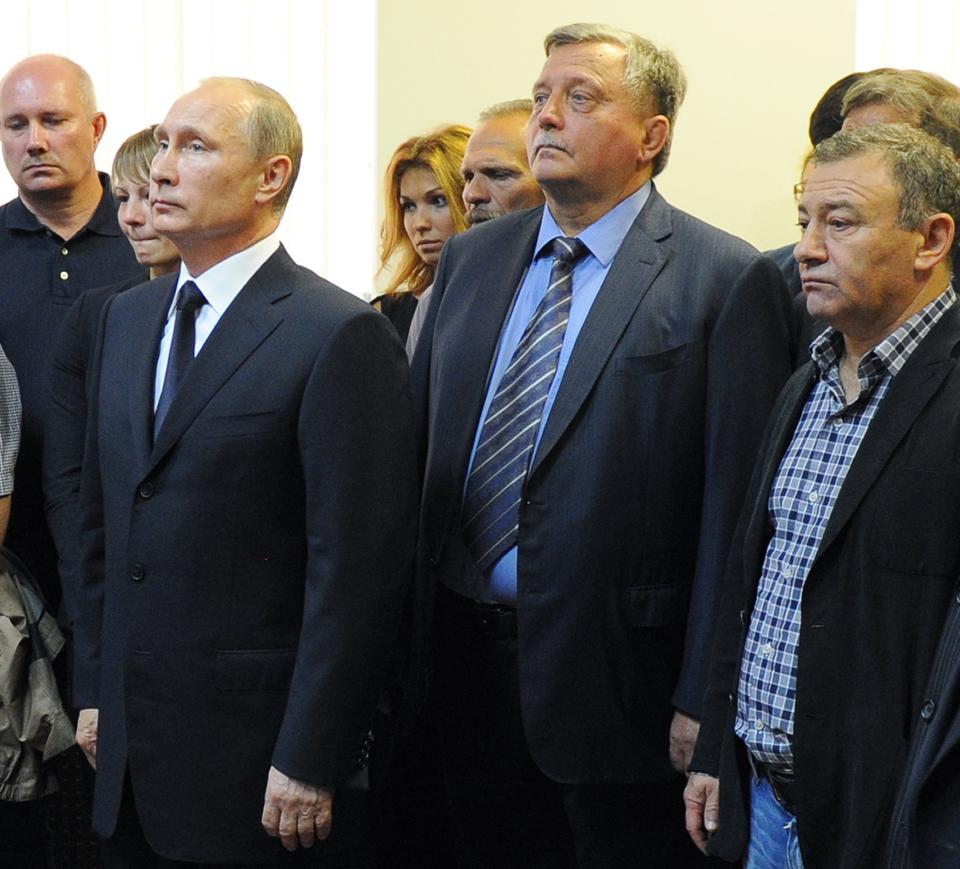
{"x":128,"y":848}
{"x":505,"y":812}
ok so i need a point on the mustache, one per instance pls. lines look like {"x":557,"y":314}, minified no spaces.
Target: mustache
{"x":482,"y":213}
{"x":549,"y":139}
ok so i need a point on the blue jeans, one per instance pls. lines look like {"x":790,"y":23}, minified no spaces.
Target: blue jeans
{"x":773,"y":831}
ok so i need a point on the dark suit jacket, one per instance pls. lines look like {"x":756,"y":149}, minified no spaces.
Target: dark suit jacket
{"x":872,"y":608}
{"x":805,"y":328}
{"x":633,"y":493}
{"x":242,"y":576}
{"x":63,"y":444}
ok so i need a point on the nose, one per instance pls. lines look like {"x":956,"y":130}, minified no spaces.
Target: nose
{"x":549,"y":113}
{"x":37,"y":143}
{"x":810,"y":249}
{"x":162,"y":168}
{"x":475,"y":191}
{"x":421,"y":219}
{"x":132,"y":212}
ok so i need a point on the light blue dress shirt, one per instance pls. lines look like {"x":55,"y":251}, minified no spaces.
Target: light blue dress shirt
{"x":603,"y":240}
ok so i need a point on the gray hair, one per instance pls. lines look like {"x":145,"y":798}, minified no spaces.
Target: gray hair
{"x":506,"y":109}
{"x":923,"y":169}
{"x":653,"y":78}
{"x":926,"y":101}
{"x":270,"y":127}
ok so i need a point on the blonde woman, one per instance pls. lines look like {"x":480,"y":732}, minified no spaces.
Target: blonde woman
{"x":423,"y":190}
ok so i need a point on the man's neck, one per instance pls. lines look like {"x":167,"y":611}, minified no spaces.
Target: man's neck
{"x":574,"y":209}
{"x":66,"y":212}
{"x":205,"y":255}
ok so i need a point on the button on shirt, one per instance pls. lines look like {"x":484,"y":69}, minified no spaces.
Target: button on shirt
{"x":220,"y":285}
{"x":800,"y":502}
{"x":602,"y":239}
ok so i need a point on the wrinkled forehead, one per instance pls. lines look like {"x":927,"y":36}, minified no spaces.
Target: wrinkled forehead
{"x":858,"y":180}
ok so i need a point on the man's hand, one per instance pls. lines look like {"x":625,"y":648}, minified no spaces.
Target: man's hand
{"x":296,"y":812}
{"x":702,"y":800}
{"x":87,"y":734}
{"x":683,"y":738}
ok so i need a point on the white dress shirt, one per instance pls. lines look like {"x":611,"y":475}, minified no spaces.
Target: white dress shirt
{"x":220,"y":285}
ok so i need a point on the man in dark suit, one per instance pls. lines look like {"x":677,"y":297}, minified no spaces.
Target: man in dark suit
{"x":570,"y":551}
{"x":249,"y":523}
{"x":847,"y":555}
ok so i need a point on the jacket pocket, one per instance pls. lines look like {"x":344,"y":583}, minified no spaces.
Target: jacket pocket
{"x":254,"y":669}
{"x":653,"y":606}
{"x":916,"y":528}
{"x":654,"y":362}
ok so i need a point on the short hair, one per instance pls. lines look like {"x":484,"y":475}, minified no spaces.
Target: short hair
{"x":133,"y":158}
{"x":652,"y":77}
{"x":827,"y":115}
{"x":84,"y":83}
{"x":270,"y":127}
{"x":924,"y":170}
{"x":441,"y":151}
{"x":927,"y":101}
{"x":506,"y":109}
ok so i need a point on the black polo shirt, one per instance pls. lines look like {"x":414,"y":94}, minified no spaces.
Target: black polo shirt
{"x":40,"y":276}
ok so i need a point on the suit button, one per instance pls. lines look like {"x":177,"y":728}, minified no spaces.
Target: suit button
{"x":927,"y":710}
{"x":145,"y":490}
{"x":137,"y":572}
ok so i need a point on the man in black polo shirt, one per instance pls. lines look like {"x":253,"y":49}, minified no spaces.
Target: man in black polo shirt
{"x":58,"y":238}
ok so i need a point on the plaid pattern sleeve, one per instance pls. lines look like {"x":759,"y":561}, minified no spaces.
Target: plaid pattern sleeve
{"x":805,"y":488}
{"x":9,"y":424}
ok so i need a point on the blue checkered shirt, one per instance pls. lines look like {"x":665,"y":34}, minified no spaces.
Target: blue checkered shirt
{"x":800,"y":502}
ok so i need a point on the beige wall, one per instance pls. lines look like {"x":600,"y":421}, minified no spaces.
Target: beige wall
{"x":754,"y":75}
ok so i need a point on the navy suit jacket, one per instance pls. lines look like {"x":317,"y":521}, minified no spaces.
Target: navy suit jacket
{"x":243,"y":576}
{"x":633,"y":493}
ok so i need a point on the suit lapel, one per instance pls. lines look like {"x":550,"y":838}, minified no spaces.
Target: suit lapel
{"x":792,"y":400}
{"x":639,"y":260}
{"x":908,"y":394}
{"x":249,"y":319}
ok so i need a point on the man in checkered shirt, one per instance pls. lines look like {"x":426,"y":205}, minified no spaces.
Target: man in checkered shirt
{"x":847,"y":555}
{"x":9,"y":436}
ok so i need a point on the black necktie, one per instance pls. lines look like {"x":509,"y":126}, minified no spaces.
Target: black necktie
{"x":189,"y":301}
{"x":491,"y":507}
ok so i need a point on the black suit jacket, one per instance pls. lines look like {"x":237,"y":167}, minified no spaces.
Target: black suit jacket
{"x":63,"y":443}
{"x":632,"y":495}
{"x":242,"y":576}
{"x":872,"y":608}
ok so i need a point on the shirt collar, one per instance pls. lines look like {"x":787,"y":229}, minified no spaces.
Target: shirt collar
{"x":604,"y":236}
{"x":221,"y":284}
{"x":102,"y":222}
{"x":892,"y":352}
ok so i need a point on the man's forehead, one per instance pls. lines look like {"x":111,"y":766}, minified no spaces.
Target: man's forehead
{"x":205,"y":107}
{"x":854,"y":180}
{"x":590,"y":60}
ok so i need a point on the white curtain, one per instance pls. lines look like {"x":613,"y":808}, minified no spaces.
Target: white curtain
{"x":320,"y":54}
{"x":914,"y":34}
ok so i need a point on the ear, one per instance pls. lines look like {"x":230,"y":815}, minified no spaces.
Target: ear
{"x":276,"y":175}
{"x":936,"y":242}
{"x":655,"y":138}
{"x":99,"y":125}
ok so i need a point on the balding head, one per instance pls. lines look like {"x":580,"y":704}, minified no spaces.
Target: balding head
{"x":496,"y":174}
{"x":51,"y":129}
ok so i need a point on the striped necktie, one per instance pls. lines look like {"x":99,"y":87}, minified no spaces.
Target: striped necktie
{"x":493,"y":493}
